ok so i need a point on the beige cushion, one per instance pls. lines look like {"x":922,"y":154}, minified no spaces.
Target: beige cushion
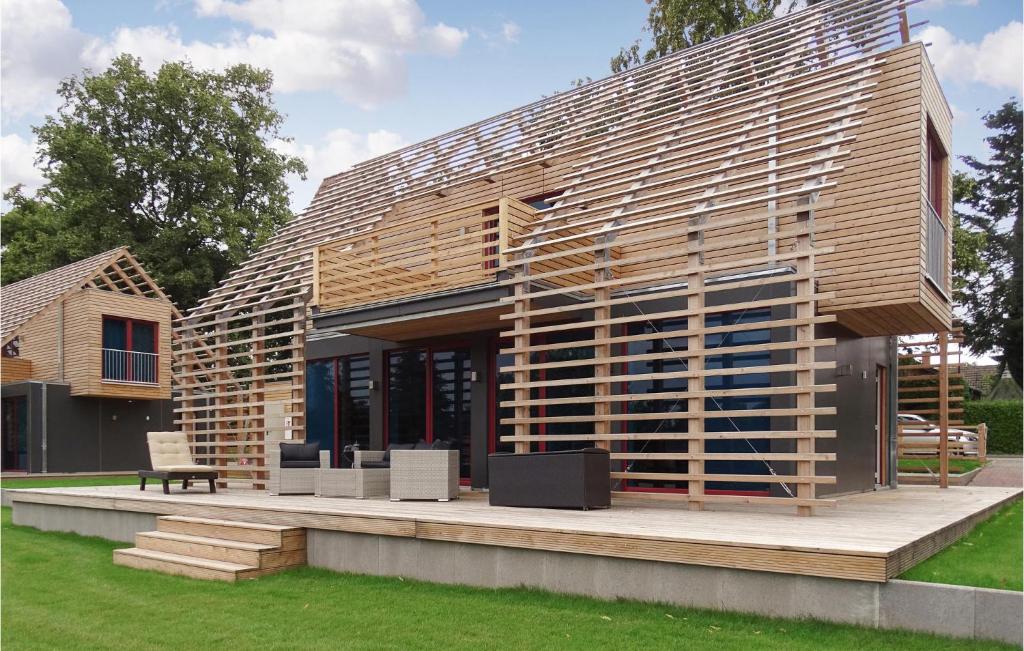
{"x":169,"y":450}
{"x":188,"y":468}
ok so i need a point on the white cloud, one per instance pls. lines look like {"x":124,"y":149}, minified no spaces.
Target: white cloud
{"x":994,"y":61}
{"x":510,"y":32}
{"x":17,"y":163}
{"x":40,"y":47}
{"x":959,"y":115}
{"x":338,"y":150}
{"x":356,"y":48}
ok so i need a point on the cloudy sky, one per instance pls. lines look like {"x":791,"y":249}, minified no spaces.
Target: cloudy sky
{"x":358,"y":78}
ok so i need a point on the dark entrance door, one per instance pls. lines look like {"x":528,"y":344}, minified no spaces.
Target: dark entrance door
{"x":15,"y":433}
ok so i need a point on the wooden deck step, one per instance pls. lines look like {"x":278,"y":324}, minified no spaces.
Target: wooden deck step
{"x":286,"y":538}
{"x":196,"y":568}
{"x":217,"y":549}
{"x":222,"y":550}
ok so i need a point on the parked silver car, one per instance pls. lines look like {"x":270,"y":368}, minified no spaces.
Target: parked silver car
{"x":918,"y":430}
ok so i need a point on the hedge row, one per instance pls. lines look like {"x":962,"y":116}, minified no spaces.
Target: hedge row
{"x":1004,"y":417}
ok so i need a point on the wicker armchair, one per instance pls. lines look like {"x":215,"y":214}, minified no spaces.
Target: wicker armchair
{"x":424,"y":475}
{"x":375,"y":458}
{"x":292,"y":481}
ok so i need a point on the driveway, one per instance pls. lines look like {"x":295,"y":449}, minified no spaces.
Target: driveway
{"x":1001,"y":471}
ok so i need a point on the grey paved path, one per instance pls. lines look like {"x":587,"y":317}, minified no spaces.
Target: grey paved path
{"x":1002,"y":471}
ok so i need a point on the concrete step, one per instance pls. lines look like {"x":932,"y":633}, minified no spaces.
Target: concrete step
{"x":196,"y":568}
{"x":285,"y":538}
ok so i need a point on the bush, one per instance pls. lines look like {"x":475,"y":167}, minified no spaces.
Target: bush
{"x":1003,"y":418}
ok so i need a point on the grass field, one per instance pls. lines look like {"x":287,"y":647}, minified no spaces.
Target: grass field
{"x":62,"y":591}
{"x":58,"y":482}
{"x":988,"y":557}
{"x":956,"y":466}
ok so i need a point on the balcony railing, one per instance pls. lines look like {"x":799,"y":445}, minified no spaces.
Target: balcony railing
{"x":129,"y":366}
{"x":936,"y":261}
{"x":439,"y":252}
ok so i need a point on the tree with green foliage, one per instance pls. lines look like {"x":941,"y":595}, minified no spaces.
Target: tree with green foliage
{"x":969,"y":264}
{"x":179,"y":165}
{"x":987,"y":252}
{"x":678,"y":24}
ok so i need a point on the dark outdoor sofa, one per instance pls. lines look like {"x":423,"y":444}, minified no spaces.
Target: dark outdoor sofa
{"x":569,"y":479}
{"x":369,"y":459}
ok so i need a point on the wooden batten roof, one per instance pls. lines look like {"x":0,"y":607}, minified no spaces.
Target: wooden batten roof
{"x":611,"y":128}
{"x":115,"y":270}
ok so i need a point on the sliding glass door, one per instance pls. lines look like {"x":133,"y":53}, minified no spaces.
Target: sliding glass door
{"x":429,"y":398}
{"x":452,"y":401}
{"x":338,"y":403}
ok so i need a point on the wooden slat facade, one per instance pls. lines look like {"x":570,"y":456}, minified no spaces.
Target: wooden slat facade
{"x":814,"y":107}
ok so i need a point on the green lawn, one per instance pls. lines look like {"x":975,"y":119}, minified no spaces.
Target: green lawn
{"x":70,"y":481}
{"x":956,"y":466}
{"x":988,"y":557}
{"x":62,"y":591}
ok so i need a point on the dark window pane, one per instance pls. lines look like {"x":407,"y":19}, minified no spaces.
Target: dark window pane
{"x":657,"y":405}
{"x":143,"y":357}
{"x":582,"y":391}
{"x":354,"y":401}
{"x":504,"y":395}
{"x":15,"y":433}
{"x":452,"y":401}
{"x":756,"y":404}
{"x":116,"y":363}
{"x":407,"y":399}
{"x":143,"y":337}
{"x":115,"y":334}
{"x":320,"y":402}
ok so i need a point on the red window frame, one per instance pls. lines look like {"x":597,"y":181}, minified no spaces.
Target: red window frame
{"x":937,"y":160}
{"x":129,"y":323}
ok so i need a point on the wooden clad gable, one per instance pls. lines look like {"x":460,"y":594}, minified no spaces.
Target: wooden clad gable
{"x":61,"y":338}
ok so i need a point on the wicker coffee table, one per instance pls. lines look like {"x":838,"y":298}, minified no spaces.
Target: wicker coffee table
{"x":353,"y":482}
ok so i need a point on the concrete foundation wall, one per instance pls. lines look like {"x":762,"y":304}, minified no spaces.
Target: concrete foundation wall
{"x":112,"y":525}
{"x":946,"y":610}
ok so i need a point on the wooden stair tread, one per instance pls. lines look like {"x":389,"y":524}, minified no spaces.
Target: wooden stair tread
{"x":191,"y":561}
{"x":205,"y":540}
{"x":228,"y":523}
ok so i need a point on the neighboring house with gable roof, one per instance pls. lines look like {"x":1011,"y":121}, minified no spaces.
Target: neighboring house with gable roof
{"x":85,"y":366}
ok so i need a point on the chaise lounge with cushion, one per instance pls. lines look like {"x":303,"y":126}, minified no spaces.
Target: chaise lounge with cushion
{"x":171,"y":458}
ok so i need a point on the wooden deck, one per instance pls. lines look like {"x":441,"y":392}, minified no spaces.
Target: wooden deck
{"x":869,"y":536}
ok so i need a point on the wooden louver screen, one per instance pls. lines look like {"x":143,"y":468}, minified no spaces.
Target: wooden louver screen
{"x":702,"y":305}
{"x":931,"y":386}
{"x":750,"y":121}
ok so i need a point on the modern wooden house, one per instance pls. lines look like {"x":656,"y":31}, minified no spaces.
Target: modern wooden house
{"x":85,"y":366}
{"x":699,"y":264}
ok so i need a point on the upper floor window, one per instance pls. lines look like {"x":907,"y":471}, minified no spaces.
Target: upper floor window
{"x":129,"y":350}
{"x":936,"y":172}
{"x":936,"y":230}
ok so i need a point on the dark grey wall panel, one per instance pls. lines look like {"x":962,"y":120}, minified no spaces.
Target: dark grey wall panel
{"x":88,"y":434}
{"x":857,"y":360}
